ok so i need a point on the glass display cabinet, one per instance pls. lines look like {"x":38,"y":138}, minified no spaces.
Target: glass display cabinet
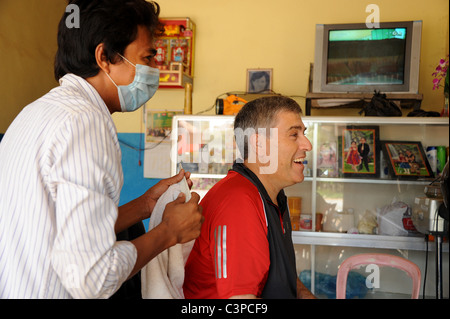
{"x":204,"y":145}
{"x":365,"y":181}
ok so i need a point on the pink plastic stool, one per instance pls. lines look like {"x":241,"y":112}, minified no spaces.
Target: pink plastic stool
{"x":381,"y":260}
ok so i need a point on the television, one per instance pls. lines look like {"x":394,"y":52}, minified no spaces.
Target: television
{"x":352,"y":58}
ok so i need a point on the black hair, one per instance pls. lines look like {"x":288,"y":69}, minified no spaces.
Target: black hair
{"x":111,"y":22}
{"x":260,"y":113}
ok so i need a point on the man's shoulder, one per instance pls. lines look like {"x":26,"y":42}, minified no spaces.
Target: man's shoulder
{"x":75,"y":96}
{"x":232,"y":195}
{"x":234,"y":184}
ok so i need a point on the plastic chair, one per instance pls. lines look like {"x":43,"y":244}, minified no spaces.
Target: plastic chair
{"x":381,"y":260}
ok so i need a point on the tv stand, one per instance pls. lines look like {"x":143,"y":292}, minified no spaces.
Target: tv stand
{"x":356,"y":100}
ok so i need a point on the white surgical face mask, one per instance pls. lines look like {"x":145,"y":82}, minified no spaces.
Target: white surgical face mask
{"x":138,"y":92}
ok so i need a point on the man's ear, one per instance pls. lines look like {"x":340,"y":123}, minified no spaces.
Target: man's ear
{"x":101,"y":59}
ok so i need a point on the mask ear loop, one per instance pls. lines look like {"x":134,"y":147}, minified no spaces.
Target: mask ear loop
{"x":111,"y":79}
{"x":126,"y":59}
{"x":140,"y":138}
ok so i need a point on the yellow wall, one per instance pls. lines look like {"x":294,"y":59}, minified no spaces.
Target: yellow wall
{"x":232,"y":36}
{"x":235,"y":35}
{"x":28,"y":31}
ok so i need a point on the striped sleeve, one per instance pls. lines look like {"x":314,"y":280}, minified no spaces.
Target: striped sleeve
{"x":85,"y":182}
{"x":239,"y":247}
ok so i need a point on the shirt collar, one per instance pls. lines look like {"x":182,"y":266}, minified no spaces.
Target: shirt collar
{"x":84,"y":88}
{"x":246,"y":172}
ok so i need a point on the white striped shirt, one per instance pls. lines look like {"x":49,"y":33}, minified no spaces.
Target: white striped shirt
{"x":60,"y":182}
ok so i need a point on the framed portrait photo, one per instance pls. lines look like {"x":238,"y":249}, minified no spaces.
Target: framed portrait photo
{"x":259,"y":80}
{"x":327,"y":160}
{"x":406,"y":160}
{"x":360,"y":152}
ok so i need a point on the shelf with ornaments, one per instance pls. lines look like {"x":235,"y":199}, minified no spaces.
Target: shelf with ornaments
{"x":175,"y":53}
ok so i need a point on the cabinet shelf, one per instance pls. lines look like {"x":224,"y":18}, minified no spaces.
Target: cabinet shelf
{"x":371,"y":181}
{"x":337,"y":180}
{"x":361,"y":240}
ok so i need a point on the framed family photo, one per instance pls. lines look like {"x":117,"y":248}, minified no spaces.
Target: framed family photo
{"x":360,"y":153}
{"x":406,"y":159}
{"x":259,"y":80}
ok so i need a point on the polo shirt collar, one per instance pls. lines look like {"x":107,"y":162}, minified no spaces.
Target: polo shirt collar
{"x":246,"y":172}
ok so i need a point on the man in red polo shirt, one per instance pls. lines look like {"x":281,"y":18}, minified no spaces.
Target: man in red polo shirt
{"x":245,"y":248}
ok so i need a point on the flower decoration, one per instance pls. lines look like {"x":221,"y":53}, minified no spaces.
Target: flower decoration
{"x":441,"y":73}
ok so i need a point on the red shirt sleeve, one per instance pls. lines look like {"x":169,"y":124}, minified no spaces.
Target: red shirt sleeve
{"x":238,"y":244}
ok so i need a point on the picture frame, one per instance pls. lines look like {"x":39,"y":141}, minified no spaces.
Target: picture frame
{"x":327,"y":160}
{"x":158,"y":125}
{"x":259,"y":81}
{"x":360,"y":152}
{"x":406,"y":160}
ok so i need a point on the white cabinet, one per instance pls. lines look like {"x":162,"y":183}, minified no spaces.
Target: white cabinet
{"x":334,"y":187}
{"x":344,"y":194}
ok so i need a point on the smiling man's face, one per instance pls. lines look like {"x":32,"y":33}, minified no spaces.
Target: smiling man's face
{"x":290,"y":147}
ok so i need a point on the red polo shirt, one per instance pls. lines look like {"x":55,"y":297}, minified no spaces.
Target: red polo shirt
{"x":231,"y":256}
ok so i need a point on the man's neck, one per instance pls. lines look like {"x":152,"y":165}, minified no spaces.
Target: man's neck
{"x":101,"y":86}
{"x":265,"y":179}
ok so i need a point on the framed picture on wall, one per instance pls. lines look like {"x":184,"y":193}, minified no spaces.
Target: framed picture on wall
{"x":360,"y":153}
{"x":158,"y":128}
{"x":327,"y":160}
{"x":158,"y":125}
{"x":259,"y":80}
{"x":406,"y":160}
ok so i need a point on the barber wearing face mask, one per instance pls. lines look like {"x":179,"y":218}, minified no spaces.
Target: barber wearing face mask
{"x":60,"y":165}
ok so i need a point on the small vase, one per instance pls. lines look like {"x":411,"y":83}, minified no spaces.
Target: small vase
{"x":444,"y":112}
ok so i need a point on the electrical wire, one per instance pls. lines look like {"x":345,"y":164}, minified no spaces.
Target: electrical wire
{"x":438,"y":253}
{"x":435,"y":180}
{"x":426,"y":266}
{"x":214,"y":105}
{"x":145,"y":148}
{"x":244,"y":93}
{"x":139,"y":149}
{"x":204,"y":111}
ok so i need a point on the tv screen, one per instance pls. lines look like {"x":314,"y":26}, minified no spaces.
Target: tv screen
{"x":370,"y":56}
{"x":353,"y":58}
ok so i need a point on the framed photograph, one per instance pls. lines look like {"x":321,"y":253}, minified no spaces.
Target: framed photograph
{"x":327,"y":160}
{"x":259,"y":80}
{"x":158,"y":125}
{"x":360,"y":151}
{"x":406,"y":160}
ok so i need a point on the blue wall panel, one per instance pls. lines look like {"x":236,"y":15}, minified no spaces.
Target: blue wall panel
{"x":134,"y":182}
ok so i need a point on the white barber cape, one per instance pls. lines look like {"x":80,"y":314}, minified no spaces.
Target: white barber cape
{"x":163,"y":276}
